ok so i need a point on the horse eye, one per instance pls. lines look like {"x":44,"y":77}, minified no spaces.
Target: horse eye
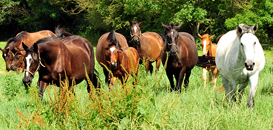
{"x":35,"y":61}
{"x":254,"y":43}
{"x":241,"y":43}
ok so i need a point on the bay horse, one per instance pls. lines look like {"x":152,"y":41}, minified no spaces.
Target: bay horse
{"x":123,"y":62}
{"x":209,"y":51}
{"x":149,"y":45}
{"x":240,"y":59}
{"x":103,"y":55}
{"x":180,"y":52}
{"x":14,"y":47}
{"x":58,"y":59}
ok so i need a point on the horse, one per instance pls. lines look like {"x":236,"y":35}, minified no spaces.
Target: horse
{"x":180,"y":55}
{"x":58,"y":59}
{"x":240,"y":59}
{"x":123,"y":62}
{"x":102,"y":50}
{"x":14,"y":47}
{"x":209,"y":51}
{"x":149,"y":45}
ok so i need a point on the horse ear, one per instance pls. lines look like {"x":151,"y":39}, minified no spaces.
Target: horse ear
{"x":24,"y":46}
{"x":211,"y":36}
{"x":140,"y":23}
{"x":165,"y":26}
{"x":35,"y":46}
{"x":239,"y":30}
{"x":254,"y":28}
{"x":178,"y":27}
{"x":199,"y":35}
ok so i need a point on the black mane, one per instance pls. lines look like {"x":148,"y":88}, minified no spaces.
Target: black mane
{"x":19,"y":37}
{"x":113,"y":40}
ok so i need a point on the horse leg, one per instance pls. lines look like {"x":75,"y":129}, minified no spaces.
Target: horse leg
{"x":253,"y":82}
{"x":151,"y":67}
{"x":158,"y":61}
{"x":204,"y":76}
{"x":186,"y":81}
{"x":147,"y":66}
{"x":179,"y":79}
{"x":107,"y":76}
{"x":42,"y":88}
{"x":242,"y":90}
{"x":216,"y":73}
{"x":170,"y":77}
{"x":230,"y":89}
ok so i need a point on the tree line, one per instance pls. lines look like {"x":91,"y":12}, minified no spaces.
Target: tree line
{"x":92,"y":18}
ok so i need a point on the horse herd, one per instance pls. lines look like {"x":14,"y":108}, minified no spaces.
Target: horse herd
{"x":238,"y":55}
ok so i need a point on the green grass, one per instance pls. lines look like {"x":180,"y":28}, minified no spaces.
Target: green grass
{"x":148,"y":105}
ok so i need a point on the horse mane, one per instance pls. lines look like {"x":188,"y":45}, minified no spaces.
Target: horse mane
{"x":60,"y":32}
{"x":171,"y":25}
{"x":113,"y":40}
{"x":134,"y":22}
{"x":18,"y":37}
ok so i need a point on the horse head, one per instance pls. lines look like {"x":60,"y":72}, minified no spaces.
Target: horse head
{"x":206,"y":43}
{"x":113,"y":49}
{"x":171,"y":33}
{"x":18,"y":59}
{"x":248,"y":42}
{"x":32,"y":62}
{"x":8,"y":57}
{"x":135,"y":31}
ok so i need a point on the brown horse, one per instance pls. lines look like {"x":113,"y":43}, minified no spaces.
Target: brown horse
{"x":149,"y":45}
{"x":180,"y":52}
{"x":102,"y":51}
{"x":209,"y":51}
{"x":59,"y":59}
{"x":123,"y":62}
{"x":14,"y":46}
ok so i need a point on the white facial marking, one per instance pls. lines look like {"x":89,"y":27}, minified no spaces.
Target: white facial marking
{"x":112,"y":49}
{"x":172,"y":33}
{"x":28,"y":64}
{"x":204,"y":49}
{"x":135,"y":28}
{"x":5,"y":55}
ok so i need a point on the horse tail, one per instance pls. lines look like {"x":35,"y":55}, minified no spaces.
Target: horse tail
{"x":220,"y":89}
{"x":60,"y":32}
{"x":112,"y":38}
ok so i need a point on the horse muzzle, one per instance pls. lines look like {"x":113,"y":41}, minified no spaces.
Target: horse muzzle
{"x":27,"y":80}
{"x":249,"y":64}
{"x":114,"y":65}
{"x":13,"y":68}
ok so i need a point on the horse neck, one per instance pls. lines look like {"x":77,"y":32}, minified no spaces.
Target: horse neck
{"x":237,"y":54}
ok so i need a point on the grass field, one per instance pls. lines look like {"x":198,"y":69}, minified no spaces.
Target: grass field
{"x":148,"y":105}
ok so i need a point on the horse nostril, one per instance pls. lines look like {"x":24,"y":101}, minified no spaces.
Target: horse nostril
{"x":254,"y":63}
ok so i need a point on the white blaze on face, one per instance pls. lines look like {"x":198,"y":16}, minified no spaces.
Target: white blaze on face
{"x":248,"y":41}
{"x":112,"y":49}
{"x":135,"y":29}
{"x":204,"y":49}
{"x":28,"y":63}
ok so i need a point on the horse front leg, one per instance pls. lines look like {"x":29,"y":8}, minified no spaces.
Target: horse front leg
{"x":253,"y":82}
{"x":42,"y":87}
{"x":158,"y":61}
{"x":204,"y":76}
{"x":242,"y":90}
{"x":186,"y":81}
{"x":179,"y":79}
{"x":170,"y":77}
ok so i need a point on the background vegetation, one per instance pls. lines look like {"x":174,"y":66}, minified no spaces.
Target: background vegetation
{"x":92,"y":18}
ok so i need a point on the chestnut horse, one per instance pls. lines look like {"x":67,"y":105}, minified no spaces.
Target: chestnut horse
{"x":209,"y":51}
{"x":58,"y":59}
{"x":14,"y":46}
{"x":103,"y":55}
{"x":149,"y":45}
{"x":181,"y":54}
{"x":122,"y":62}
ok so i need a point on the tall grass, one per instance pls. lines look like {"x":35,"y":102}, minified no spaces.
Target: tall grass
{"x":147,"y":105}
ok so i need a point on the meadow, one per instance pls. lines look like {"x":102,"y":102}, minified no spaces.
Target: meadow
{"x":148,"y":105}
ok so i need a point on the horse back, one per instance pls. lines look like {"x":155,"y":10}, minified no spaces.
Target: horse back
{"x":151,"y":45}
{"x":185,"y":34}
{"x":187,"y":51}
{"x":132,"y":59}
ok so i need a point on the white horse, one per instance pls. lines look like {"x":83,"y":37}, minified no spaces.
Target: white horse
{"x":240,"y":59}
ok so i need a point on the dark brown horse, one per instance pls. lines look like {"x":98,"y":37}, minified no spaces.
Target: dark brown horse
{"x":14,"y":47}
{"x":182,"y":53}
{"x":122,"y":62}
{"x":103,"y":55}
{"x":209,"y":51}
{"x":149,"y":45}
{"x":56,"y":58}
